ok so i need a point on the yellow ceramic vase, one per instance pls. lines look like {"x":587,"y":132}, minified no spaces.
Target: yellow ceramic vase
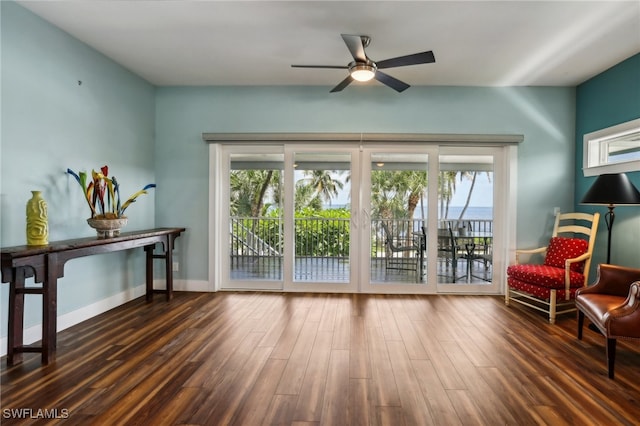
{"x":37,"y":224}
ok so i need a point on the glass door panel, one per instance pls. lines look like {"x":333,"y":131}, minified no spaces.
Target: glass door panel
{"x":322,"y":217}
{"x":398,"y":209}
{"x":465,"y":219}
{"x":255,"y":220}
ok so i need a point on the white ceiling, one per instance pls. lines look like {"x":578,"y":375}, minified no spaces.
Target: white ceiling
{"x":478,"y":43}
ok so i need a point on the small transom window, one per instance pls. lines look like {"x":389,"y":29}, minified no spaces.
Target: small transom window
{"x":615,"y":149}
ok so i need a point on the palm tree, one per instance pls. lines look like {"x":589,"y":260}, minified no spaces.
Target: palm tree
{"x":249,"y":190}
{"x":306,"y":197}
{"x":447,"y":184}
{"x":249,"y":195}
{"x":415,"y":183}
{"x":386,"y":202}
{"x":324,"y":183}
{"x":468,"y":200}
{"x":473,"y":177}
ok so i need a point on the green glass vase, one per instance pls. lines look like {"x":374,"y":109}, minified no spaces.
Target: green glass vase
{"x":37,"y":223}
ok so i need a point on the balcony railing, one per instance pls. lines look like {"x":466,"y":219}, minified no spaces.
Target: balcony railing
{"x":328,"y":237}
{"x":322,"y":250}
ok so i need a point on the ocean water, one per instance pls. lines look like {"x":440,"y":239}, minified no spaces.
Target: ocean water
{"x":471,"y":213}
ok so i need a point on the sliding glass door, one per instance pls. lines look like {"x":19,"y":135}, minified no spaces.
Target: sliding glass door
{"x":395,"y":219}
{"x":466,"y":228}
{"x":321,"y":217}
{"x":354,"y":218}
{"x":252,"y":219}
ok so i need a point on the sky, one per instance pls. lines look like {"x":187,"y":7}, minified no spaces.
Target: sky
{"x":482,"y":193}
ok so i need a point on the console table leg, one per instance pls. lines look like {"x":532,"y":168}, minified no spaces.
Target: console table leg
{"x":16,"y":318}
{"x":50,"y":309}
{"x":149,"y":252}
{"x":168,"y":266}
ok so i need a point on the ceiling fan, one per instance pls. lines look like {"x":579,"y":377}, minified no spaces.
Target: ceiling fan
{"x":364,"y":69}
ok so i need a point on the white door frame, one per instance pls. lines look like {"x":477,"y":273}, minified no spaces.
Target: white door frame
{"x":220,"y":217}
{"x":326,"y":287}
{"x":505,"y":174}
{"x":366,"y":286}
{"x":501,"y":219}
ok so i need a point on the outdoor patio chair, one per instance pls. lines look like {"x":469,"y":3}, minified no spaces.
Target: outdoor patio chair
{"x":401,"y":253}
{"x":448,"y":248}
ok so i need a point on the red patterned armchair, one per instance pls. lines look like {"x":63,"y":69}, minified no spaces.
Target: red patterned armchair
{"x":550,"y":287}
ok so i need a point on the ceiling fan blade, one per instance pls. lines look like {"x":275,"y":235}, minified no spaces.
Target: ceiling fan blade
{"x":356,"y":47}
{"x":341,"y":67}
{"x":344,"y":83}
{"x":394,"y":83}
{"x":401,"y":61}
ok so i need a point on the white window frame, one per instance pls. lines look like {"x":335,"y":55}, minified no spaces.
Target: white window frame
{"x":505,"y":207}
{"x":596,"y":149}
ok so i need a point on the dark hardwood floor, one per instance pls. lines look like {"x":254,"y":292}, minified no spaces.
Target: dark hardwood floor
{"x":305,"y":359}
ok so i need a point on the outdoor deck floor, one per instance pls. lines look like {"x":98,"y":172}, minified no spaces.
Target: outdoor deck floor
{"x":316,"y":269}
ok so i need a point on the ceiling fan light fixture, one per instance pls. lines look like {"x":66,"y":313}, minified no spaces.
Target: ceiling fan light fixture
{"x":364,"y":69}
{"x":362,"y":72}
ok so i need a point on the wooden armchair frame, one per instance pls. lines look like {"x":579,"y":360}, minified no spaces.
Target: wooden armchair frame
{"x":565,"y":224}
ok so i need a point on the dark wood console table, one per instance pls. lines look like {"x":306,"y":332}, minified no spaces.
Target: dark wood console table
{"x":46,"y":265}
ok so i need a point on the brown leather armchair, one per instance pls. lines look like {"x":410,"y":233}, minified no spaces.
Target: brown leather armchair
{"x":612,"y":305}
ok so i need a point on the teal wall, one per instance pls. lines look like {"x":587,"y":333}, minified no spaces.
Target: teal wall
{"x":51,"y":122}
{"x":610,"y":98}
{"x":545,"y":116}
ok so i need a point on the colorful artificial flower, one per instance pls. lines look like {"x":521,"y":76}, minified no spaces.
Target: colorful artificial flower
{"x":103,"y":193}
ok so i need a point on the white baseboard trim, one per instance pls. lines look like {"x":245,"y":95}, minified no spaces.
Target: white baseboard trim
{"x":184,"y":285}
{"x":34,"y":333}
{"x":188,"y":285}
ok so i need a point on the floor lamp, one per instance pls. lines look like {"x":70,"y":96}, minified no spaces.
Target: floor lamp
{"x":611,"y":190}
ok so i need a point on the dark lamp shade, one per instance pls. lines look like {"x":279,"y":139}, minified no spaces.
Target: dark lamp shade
{"x":612,"y":189}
